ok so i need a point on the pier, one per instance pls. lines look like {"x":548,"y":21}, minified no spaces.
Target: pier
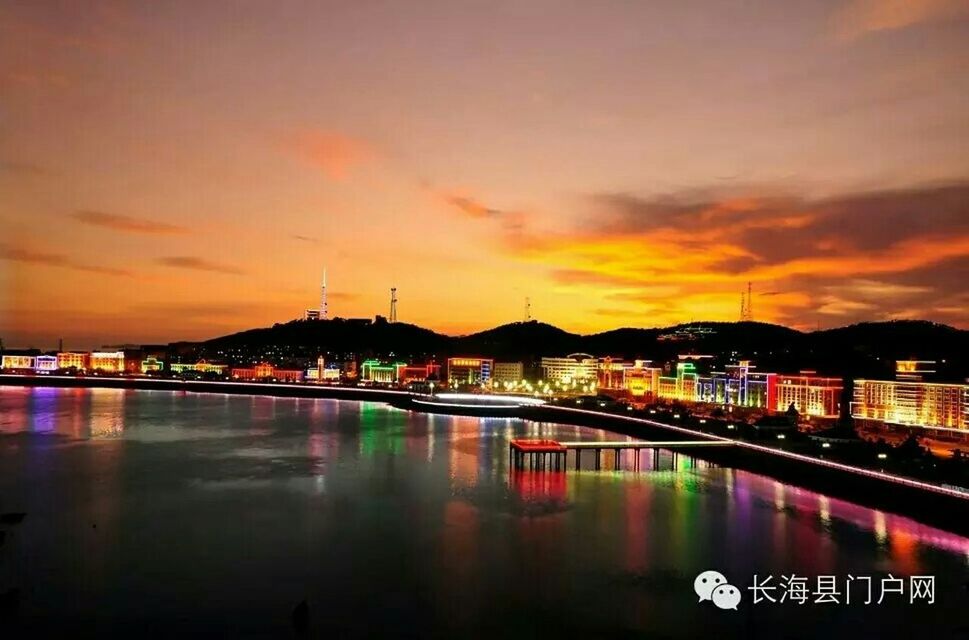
{"x":553,"y":455}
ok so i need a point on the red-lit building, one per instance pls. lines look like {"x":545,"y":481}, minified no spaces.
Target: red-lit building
{"x":266,"y":371}
{"x":418,"y":373}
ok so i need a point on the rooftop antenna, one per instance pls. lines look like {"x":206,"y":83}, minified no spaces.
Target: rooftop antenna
{"x":323,"y":309}
{"x":528,"y":309}
{"x":60,"y":344}
{"x":393,"y":304}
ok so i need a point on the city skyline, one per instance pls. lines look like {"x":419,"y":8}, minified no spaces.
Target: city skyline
{"x":182,"y":172}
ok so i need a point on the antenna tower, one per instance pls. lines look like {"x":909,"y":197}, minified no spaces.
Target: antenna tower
{"x":393,"y":304}
{"x":746,"y":307}
{"x":323,"y":309}
{"x":528,"y":309}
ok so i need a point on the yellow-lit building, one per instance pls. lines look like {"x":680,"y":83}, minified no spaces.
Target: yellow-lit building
{"x":811,"y":395}
{"x":642,"y":380}
{"x":509,"y":372}
{"x":10,"y":361}
{"x":201,"y":366}
{"x":107,"y":361}
{"x":469,"y":371}
{"x":912,"y":403}
{"x":72,"y":360}
{"x":575,"y":367}
{"x":681,"y":387}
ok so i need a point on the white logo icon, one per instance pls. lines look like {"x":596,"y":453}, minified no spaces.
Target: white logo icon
{"x":713,"y":586}
{"x":726,"y":596}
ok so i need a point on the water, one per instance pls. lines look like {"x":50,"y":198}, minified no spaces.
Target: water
{"x":172,"y":513}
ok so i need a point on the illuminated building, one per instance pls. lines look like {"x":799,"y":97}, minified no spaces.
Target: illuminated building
{"x":199,"y":367}
{"x":419,"y":373}
{"x":682,"y":386}
{"x":266,"y":371}
{"x":576,"y":367}
{"x":470,"y":371}
{"x":384,"y":373}
{"x":738,"y":385}
{"x":330,"y":374}
{"x":107,"y":361}
{"x":914,"y":369}
{"x":642,"y":380}
{"x":10,"y":361}
{"x":45,"y":363}
{"x":72,"y":360}
{"x":611,"y":374}
{"x":911,"y":402}
{"x":509,"y":372}
{"x":810,"y":394}
{"x":151,"y":363}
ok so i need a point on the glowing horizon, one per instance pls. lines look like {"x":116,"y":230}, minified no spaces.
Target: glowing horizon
{"x":181,"y":172}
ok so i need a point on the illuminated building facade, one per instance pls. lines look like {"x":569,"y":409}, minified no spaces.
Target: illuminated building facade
{"x":266,"y":371}
{"x":45,"y":363}
{"x":576,"y":367}
{"x":738,"y":385}
{"x":611,"y":373}
{"x":72,"y":360}
{"x":469,"y":371}
{"x":10,"y":361}
{"x":107,"y":361}
{"x":681,"y":387}
{"x":507,"y":372}
{"x":151,"y":363}
{"x":419,"y":373}
{"x":911,"y":402}
{"x":380,"y":372}
{"x":810,"y":394}
{"x":198,"y":367}
{"x":642,"y":380}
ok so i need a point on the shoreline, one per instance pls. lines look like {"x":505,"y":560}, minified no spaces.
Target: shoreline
{"x":929,"y":504}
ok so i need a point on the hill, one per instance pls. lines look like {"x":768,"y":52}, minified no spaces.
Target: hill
{"x":867,"y":349}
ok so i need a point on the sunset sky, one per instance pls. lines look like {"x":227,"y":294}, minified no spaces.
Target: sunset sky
{"x":182,"y":170}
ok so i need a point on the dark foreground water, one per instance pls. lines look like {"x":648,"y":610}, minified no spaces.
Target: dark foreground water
{"x":162,"y":513}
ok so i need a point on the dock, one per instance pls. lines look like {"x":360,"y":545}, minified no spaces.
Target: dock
{"x":553,"y":455}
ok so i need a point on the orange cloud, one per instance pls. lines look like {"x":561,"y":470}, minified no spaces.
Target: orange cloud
{"x":336,"y":154}
{"x":855,"y":256}
{"x":859,"y":18}
{"x":126,"y":224}
{"x":199,"y":264}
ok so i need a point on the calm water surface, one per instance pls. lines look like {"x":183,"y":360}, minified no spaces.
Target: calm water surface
{"x":170,"y":513}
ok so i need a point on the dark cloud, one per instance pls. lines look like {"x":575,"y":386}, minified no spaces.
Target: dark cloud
{"x":307,"y":239}
{"x":471,"y":207}
{"x":776,"y":229}
{"x":29,"y":256}
{"x":126,"y":224}
{"x":199,"y":264}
